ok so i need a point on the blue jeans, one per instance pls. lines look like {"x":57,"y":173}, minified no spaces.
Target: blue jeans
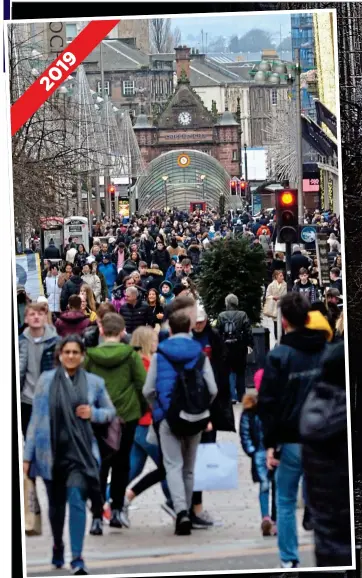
{"x":288,"y":475}
{"x":141,"y":450}
{"x":58,"y":496}
{"x":267,"y":509}
{"x":237,"y":385}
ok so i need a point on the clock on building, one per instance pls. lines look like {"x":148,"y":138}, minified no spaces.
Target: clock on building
{"x":184,"y":118}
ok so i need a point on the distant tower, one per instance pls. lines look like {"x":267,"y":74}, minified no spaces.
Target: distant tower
{"x":137,"y":29}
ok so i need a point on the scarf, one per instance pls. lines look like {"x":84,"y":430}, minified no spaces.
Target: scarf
{"x":71,"y":436}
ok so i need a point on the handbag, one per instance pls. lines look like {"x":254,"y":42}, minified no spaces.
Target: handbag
{"x":109,"y":434}
{"x":33,"y":526}
{"x":269,"y":309}
{"x":216,"y":467}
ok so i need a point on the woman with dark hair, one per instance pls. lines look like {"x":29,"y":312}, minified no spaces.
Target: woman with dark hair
{"x":81,"y":257}
{"x":155,"y":307}
{"x":60,"y":446}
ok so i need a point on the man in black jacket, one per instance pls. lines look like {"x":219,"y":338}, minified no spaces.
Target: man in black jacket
{"x":52,"y":252}
{"x":323,"y":427}
{"x":71,"y":287}
{"x":290,"y":371}
{"x":135,"y":312}
{"x":298,"y":262}
{"x":235,"y":330}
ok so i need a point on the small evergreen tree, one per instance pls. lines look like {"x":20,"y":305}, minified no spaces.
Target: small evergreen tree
{"x":233,"y":266}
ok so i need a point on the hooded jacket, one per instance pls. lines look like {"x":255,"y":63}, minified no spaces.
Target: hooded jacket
{"x":34,"y":358}
{"x":290,"y":371}
{"x":72,"y":322}
{"x":166,"y":298}
{"x":71,"y":287}
{"x":122,"y":369}
{"x":251,"y":436}
{"x":161,"y":376}
{"x":323,"y":429}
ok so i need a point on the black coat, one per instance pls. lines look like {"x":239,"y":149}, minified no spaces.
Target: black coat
{"x":91,"y":337}
{"x":289,"y":373}
{"x":136,"y":316}
{"x":323,"y":429}
{"x":52,"y":252}
{"x":162,"y":258}
{"x":222,"y":415}
{"x":236,"y":353}
{"x":297,"y":262}
{"x":71,"y":287}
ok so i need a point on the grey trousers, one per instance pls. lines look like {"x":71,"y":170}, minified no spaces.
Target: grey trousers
{"x":179,"y":455}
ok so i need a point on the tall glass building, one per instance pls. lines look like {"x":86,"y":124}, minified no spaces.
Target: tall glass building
{"x":303,"y":38}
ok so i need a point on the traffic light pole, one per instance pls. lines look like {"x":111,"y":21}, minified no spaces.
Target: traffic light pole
{"x":288,"y":265}
{"x":299,"y":148}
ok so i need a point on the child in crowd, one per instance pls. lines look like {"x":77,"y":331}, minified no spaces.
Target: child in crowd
{"x":251,"y":435}
{"x":166,"y":293}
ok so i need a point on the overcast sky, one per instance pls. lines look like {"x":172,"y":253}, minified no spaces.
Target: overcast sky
{"x":229,"y":25}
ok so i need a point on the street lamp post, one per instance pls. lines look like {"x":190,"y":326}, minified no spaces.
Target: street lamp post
{"x":299,"y":138}
{"x":246,"y":163}
{"x":165,"y":179}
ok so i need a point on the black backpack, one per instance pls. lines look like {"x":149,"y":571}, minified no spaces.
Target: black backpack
{"x":189,"y":410}
{"x":229,"y":333}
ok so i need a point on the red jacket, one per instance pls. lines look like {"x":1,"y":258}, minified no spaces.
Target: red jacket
{"x":71,"y":322}
{"x":146,"y":419}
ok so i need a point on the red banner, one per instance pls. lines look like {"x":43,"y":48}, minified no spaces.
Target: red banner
{"x":54,"y":76}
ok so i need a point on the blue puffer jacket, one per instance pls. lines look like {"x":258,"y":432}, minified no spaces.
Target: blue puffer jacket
{"x":251,"y":435}
{"x":181,"y":349}
{"x":109,"y":271}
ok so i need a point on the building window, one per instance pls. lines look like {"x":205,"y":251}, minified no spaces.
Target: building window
{"x":156,"y":86}
{"x":170,"y":82}
{"x":71,"y":31}
{"x":274,"y":96}
{"x":235,"y":155}
{"x":161,"y":86}
{"x":107,"y":87}
{"x":128,"y":87}
{"x":166,"y":87}
{"x":151,"y":86}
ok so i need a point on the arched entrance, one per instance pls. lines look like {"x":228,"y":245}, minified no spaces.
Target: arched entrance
{"x":181,"y":177}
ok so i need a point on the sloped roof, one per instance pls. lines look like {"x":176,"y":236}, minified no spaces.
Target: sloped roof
{"x":205,"y":73}
{"x":117,"y":55}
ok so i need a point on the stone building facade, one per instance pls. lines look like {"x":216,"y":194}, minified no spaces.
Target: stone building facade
{"x":186,"y":123}
{"x":133,"y":79}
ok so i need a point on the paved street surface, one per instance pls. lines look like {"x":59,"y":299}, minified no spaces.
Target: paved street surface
{"x":150,"y":545}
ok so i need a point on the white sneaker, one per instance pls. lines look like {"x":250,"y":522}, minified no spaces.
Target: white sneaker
{"x":124,"y":515}
{"x":289,"y":564}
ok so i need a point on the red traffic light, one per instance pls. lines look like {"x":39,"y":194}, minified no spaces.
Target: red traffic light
{"x":111,"y":189}
{"x":243,"y":185}
{"x":287,"y":198}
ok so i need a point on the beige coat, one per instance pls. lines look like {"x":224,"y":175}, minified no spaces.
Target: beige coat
{"x":275,"y":289}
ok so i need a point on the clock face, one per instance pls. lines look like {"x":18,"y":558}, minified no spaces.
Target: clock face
{"x":184,"y":118}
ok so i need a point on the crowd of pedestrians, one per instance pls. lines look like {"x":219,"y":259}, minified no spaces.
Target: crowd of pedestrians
{"x":120,"y":362}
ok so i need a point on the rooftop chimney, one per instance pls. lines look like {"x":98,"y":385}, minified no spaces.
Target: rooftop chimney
{"x":182,"y":62}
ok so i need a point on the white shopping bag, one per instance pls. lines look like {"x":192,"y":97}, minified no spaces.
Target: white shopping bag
{"x":216,"y":467}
